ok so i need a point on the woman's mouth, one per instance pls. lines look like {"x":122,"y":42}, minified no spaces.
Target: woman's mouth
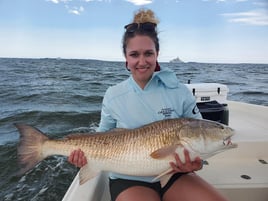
{"x":142,"y":69}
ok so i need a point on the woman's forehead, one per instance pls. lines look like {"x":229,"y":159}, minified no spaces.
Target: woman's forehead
{"x":140,"y":42}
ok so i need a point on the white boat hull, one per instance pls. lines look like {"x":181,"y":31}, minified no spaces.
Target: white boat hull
{"x":240,"y":174}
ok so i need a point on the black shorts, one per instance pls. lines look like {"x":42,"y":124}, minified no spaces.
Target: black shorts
{"x":119,"y":185}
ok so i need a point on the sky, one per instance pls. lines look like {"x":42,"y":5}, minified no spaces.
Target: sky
{"x":212,"y":31}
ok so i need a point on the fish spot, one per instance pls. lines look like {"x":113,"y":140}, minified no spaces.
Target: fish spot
{"x":244,"y":176}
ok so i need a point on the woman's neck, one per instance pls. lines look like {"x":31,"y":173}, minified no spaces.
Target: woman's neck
{"x":142,"y":83}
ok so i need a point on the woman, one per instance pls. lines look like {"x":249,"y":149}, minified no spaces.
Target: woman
{"x":150,"y":93}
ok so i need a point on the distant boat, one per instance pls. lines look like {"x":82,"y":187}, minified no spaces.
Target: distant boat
{"x":176,"y":60}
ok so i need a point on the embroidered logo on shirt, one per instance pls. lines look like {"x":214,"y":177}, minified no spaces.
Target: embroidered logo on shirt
{"x":195,"y":110}
{"x":167,"y":112}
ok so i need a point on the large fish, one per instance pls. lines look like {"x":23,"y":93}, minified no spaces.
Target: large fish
{"x":145,"y":151}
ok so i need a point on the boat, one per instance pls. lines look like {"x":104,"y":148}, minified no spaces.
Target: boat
{"x":176,"y":60}
{"x":240,"y":174}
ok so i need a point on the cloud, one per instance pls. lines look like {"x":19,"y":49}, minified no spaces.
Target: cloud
{"x":58,"y":1}
{"x":75,"y":10}
{"x":109,"y":1}
{"x":140,"y":2}
{"x":253,"y":17}
{"x":54,"y":1}
{"x":224,"y":0}
{"x":261,"y":4}
{"x":135,"y":2}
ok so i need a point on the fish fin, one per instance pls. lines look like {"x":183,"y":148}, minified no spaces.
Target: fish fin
{"x":165,"y":151}
{"x":118,"y":129}
{"x":74,"y":136}
{"x":164,"y":180}
{"x":29,"y":147}
{"x":163,"y":174}
{"x":164,"y":177}
{"x":86,"y":173}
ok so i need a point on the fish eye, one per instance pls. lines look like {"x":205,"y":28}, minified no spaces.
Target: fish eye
{"x":220,"y":126}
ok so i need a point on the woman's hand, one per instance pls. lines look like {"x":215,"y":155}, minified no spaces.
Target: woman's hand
{"x":77,"y":158}
{"x":188,"y":166}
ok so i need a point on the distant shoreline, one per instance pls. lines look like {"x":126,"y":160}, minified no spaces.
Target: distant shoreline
{"x":91,"y":59}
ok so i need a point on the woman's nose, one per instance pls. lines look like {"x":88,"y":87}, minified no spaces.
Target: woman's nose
{"x":142,"y":60}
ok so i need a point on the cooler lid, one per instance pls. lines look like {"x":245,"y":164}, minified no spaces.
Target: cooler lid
{"x":208,"y":87}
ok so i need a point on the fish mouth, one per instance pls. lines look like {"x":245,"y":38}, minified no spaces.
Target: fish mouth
{"x":228,"y":142}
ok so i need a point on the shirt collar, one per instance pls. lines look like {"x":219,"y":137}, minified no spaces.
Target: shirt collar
{"x":165,"y":75}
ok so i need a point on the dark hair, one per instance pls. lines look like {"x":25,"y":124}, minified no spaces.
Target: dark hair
{"x":129,"y":35}
{"x":142,"y":17}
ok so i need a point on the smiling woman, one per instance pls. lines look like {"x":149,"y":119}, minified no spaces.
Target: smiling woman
{"x":141,"y":47}
{"x":141,"y":59}
{"x":150,"y":90}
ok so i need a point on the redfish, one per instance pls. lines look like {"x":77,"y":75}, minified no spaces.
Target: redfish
{"x":144,"y":151}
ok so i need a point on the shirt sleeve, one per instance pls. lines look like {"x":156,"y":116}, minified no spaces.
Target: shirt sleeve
{"x":190,"y":108}
{"x":107,"y":122}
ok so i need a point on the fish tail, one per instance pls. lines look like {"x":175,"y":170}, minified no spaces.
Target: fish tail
{"x":29,"y":147}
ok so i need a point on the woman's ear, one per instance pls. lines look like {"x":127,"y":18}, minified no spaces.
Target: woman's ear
{"x":127,"y":66}
{"x":157,"y":67}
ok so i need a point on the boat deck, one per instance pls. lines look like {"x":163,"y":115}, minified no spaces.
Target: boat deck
{"x":240,"y":174}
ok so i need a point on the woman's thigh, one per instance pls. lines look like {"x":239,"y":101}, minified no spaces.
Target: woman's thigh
{"x":128,"y":190}
{"x":138,"y":193}
{"x":192,"y":187}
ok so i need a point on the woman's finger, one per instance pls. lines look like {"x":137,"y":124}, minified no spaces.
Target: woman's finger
{"x":71,"y":157}
{"x":187,"y":156}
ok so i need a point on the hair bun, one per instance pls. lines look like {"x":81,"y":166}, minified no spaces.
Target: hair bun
{"x":145,"y":16}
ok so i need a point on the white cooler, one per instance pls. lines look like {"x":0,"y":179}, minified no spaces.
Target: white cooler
{"x":211,"y":100}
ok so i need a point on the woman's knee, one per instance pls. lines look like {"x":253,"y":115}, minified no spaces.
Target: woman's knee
{"x":192,"y":187}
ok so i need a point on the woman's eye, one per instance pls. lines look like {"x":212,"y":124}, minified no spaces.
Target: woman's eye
{"x":148,"y":54}
{"x":134,"y":55}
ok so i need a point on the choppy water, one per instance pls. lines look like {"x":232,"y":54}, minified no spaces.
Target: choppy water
{"x":60,"y":96}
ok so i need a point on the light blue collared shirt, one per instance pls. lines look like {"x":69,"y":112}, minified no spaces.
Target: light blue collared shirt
{"x":126,"y":105}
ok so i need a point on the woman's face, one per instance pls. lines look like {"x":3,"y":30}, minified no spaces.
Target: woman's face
{"x":141,"y":57}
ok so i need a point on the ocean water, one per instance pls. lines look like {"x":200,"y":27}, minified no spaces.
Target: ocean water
{"x":60,"y":96}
